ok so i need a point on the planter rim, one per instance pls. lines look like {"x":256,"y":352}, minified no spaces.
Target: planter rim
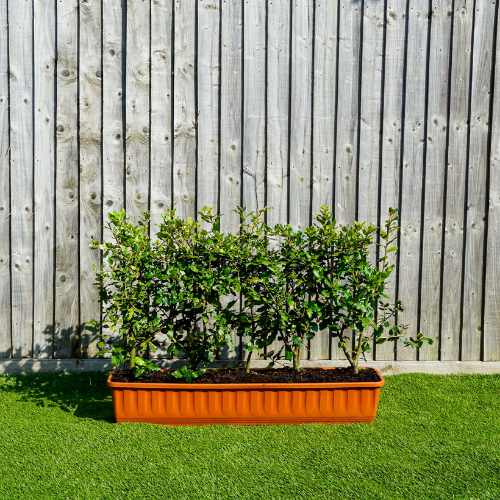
{"x":289,"y":386}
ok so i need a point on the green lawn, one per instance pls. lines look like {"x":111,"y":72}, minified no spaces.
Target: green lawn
{"x":434,"y":437}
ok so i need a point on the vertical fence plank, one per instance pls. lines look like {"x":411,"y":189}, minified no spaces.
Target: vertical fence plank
{"x":492,"y":285}
{"x":391,"y":136}
{"x":161,"y":123}
{"x":439,"y":59}
{"x":325,"y":83}
{"x":184,"y":187}
{"x":347,"y":113}
{"x":278,"y":124}
{"x":413,"y":169}
{"x":67,"y":304}
{"x":254,"y":102}
{"x":254,"y":109}
{"x":301,"y":117}
{"x":5,"y":311}
{"x":455,"y":180}
{"x":370,"y":116}
{"x":208,"y":103}
{"x":21,"y":154}
{"x":113,"y":132}
{"x":231,"y":126}
{"x":90,"y":76}
{"x":231,"y":119}
{"x":161,"y":106}
{"x":477,"y":170}
{"x":113,"y":194}
{"x":137,"y":108}
{"x":300,"y":114}
{"x":44,"y":176}
{"x":278,"y":95}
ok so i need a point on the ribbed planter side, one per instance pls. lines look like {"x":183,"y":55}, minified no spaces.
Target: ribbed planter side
{"x":245,"y":404}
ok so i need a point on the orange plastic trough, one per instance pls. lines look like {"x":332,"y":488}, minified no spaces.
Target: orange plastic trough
{"x":246,"y":404}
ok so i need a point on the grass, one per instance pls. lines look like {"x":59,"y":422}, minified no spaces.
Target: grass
{"x":435,"y":437}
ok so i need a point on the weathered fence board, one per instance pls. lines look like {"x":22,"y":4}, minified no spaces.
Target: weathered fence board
{"x":412,"y":170}
{"x":208,"y":72}
{"x":324,"y":113}
{"x":67,"y":296}
{"x":492,"y":285}
{"x":391,"y":135}
{"x":21,"y":175}
{"x":479,"y":117}
{"x":5,"y":309}
{"x":434,"y":177}
{"x":44,"y":176}
{"x":455,"y":181}
{"x":150,"y":105}
{"x":90,"y":94}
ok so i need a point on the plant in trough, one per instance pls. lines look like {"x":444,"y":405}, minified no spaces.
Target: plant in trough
{"x":171,"y":286}
{"x":277,"y":284}
{"x":193,"y":274}
{"x":355,"y":307}
{"x":128,"y":295}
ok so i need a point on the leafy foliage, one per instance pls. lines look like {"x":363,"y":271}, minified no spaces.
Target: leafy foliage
{"x":170,"y":286}
{"x":185,"y":284}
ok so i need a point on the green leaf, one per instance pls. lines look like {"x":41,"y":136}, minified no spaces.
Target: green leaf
{"x":115,"y":360}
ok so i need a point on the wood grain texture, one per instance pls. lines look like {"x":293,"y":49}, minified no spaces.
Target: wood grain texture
{"x":137,"y":108}
{"x":439,"y":58}
{"x":67,"y":301}
{"x":278,"y":96}
{"x":231,"y":128}
{"x":21,"y":176}
{"x":244,"y":97}
{"x":391,"y":137}
{"x":161,"y":123}
{"x":370,"y":118}
{"x":254,"y":105}
{"x":44,"y":177}
{"x":413,"y":170}
{"x":5,"y":310}
{"x":476,"y":196}
{"x":323,"y":152}
{"x":347,"y":112}
{"x":184,"y":187}
{"x":90,"y":90}
{"x":113,"y":156}
{"x":301,"y":114}
{"x":455,"y":180}
{"x":208,"y":103}
{"x":161,"y":107}
{"x":278,"y":120}
{"x":299,"y":212}
{"x":492,"y":284}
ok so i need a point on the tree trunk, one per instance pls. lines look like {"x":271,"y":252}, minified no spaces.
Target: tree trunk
{"x":296,"y":358}
{"x":247,"y":367}
{"x":131,"y":361}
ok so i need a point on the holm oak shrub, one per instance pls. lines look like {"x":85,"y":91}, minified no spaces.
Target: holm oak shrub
{"x":191,"y":287}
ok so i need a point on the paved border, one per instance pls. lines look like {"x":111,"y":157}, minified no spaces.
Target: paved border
{"x":384,"y":367}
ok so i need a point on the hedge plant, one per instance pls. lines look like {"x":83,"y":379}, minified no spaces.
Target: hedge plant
{"x":186,"y":285}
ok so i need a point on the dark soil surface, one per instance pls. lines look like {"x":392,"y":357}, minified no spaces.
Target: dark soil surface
{"x":266,"y":376}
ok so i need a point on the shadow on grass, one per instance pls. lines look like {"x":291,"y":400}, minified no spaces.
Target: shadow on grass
{"x":85,"y":395}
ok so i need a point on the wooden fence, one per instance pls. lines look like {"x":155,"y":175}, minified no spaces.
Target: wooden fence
{"x":152,"y":104}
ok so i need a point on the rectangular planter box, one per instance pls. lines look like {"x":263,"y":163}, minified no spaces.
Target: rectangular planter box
{"x":245,"y":404}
